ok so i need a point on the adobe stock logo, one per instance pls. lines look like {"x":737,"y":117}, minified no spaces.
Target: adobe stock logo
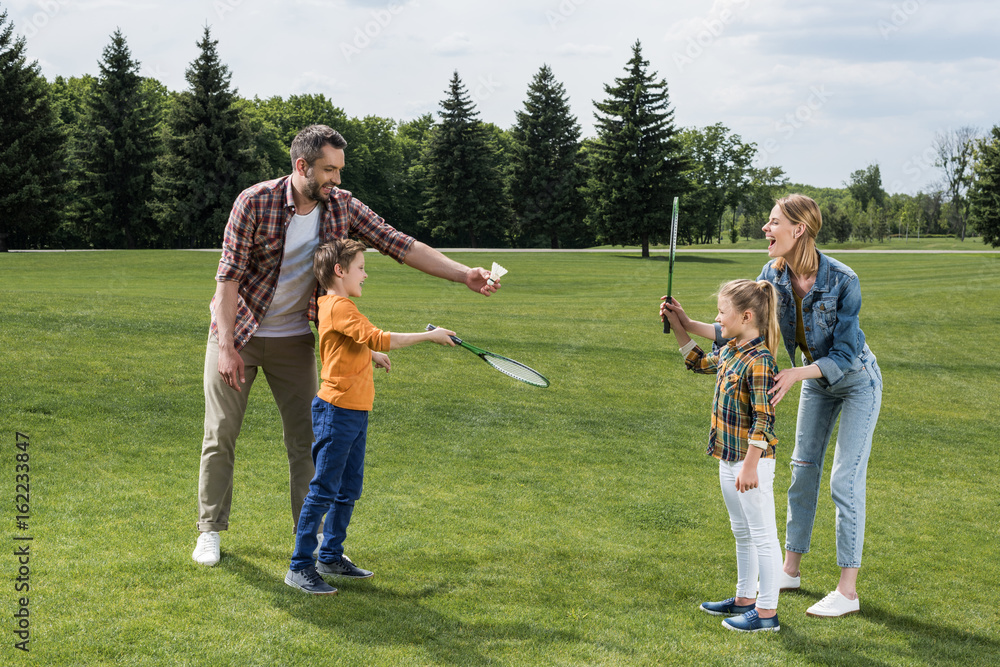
{"x":40,"y":19}
{"x":365,"y":35}
{"x":793,"y":121}
{"x":901,"y":15}
{"x":917,"y":168}
{"x":706,"y":32}
{"x":562,"y":13}
{"x":223,"y":7}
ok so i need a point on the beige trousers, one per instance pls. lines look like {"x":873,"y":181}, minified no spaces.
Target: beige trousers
{"x":289,"y":365}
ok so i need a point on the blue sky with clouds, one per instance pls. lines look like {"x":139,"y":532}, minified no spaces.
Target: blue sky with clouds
{"x":823,"y":88}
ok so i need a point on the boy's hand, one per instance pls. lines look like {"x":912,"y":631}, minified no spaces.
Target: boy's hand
{"x":441,"y":336}
{"x":381,"y":360}
{"x":747,"y":479}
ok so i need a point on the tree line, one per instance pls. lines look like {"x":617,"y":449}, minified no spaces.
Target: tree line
{"x":115,"y":160}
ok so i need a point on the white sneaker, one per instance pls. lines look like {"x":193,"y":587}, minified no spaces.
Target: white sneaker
{"x":319,"y":536}
{"x":206,"y":552}
{"x":834,"y":605}
{"x":787,"y":583}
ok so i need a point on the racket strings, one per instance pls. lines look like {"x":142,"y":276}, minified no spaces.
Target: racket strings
{"x":516,"y":370}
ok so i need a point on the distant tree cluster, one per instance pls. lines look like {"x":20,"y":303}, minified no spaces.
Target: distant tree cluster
{"x":116,"y":160}
{"x":966,"y":202}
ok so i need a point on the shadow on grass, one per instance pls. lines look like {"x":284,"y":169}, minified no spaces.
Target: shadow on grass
{"x":928,"y":643}
{"x":368,"y":614}
{"x":681,"y":259}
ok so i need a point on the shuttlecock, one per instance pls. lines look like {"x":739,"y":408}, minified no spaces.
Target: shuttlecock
{"x":495,"y":273}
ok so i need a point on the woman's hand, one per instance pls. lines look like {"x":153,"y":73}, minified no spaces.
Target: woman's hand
{"x":785,"y":379}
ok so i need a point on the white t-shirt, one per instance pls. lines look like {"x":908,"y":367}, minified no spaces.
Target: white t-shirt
{"x":286,"y":316}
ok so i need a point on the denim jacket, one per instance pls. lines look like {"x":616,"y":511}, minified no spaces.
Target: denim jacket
{"x":829,"y":316}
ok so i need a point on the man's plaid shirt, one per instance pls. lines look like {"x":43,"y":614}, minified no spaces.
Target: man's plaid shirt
{"x":741,"y":409}
{"x":254,"y":242}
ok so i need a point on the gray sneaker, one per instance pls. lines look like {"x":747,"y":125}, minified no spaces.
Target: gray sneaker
{"x":342,"y":568}
{"x":308,"y":580}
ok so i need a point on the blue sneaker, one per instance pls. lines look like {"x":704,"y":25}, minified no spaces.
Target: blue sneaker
{"x":726,"y":608}
{"x":308,"y":580}
{"x":751,"y":622}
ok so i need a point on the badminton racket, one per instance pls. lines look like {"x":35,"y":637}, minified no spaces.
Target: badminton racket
{"x":514,"y":369}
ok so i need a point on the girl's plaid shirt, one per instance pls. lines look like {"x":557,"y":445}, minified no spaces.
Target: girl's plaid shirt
{"x":254,"y":243}
{"x":741,"y":409}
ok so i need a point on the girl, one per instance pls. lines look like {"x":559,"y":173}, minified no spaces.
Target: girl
{"x":742,"y":438}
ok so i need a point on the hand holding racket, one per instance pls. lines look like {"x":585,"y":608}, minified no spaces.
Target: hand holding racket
{"x":671,"y":313}
{"x":442,"y":337}
{"x":514,"y":369}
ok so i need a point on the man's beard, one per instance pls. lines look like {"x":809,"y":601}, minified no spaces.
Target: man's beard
{"x":313,"y":189}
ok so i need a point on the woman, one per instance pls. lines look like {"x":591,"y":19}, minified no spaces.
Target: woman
{"x":819,"y":300}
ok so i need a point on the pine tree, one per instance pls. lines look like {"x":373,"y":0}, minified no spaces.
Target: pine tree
{"x":30,"y":147}
{"x":116,"y":151}
{"x":465,"y":200}
{"x":210,"y":155}
{"x":984,"y":196}
{"x":636,"y":162}
{"x":546,"y":172}
{"x":411,"y":139}
{"x":70,"y":99}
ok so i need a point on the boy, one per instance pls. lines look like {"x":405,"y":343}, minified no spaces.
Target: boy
{"x":349,"y":344}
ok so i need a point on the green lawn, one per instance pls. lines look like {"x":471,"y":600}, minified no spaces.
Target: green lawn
{"x":509,"y":525}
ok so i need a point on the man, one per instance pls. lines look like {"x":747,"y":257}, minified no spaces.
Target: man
{"x":265,"y":298}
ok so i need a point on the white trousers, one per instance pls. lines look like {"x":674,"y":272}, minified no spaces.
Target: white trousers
{"x":751,"y":514}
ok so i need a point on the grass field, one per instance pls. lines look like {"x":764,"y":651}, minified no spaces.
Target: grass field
{"x":508,"y":525}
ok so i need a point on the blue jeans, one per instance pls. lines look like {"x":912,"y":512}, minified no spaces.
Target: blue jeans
{"x":339,"y":455}
{"x":857,"y":399}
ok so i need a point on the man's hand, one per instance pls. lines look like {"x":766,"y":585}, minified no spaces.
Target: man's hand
{"x":231,"y":367}
{"x":425,"y":258}
{"x":477,"y":280}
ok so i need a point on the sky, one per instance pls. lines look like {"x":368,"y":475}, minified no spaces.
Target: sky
{"x":822,"y":88}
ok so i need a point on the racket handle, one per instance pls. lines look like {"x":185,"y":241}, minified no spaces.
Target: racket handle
{"x":666,"y":322}
{"x":458,"y":341}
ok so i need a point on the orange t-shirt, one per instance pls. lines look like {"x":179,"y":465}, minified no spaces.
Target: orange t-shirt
{"x":346,"y":339}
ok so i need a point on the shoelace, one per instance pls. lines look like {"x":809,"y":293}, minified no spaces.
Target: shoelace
{"x":830,"y":597}
{"x":208,"y":541}
{"x":313,"y":577}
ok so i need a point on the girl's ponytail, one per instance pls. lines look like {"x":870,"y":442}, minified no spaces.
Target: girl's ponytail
{"x":769,"y":316}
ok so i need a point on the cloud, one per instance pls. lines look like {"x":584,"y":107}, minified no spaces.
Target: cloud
{"x":314,"y":82}
{"x":584,"y":50}
{"x":455,"y":44}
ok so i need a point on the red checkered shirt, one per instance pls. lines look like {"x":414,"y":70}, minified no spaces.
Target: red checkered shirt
{"x":254,"y":242}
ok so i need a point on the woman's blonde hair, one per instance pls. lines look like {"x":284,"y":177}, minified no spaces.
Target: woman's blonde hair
{"x":761,"y":299}
{"x":802,"y":210}
{"x":332,"y":253}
